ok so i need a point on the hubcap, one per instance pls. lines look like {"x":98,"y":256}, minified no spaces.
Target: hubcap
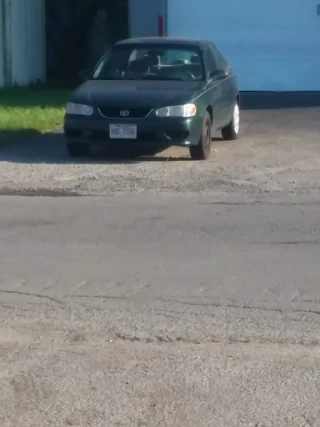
{"x":236,"y":118}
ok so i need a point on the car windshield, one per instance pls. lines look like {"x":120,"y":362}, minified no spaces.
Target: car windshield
{"x":150,"y":62}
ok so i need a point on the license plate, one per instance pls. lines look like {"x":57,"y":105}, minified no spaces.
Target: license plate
{"x":123,"y":132}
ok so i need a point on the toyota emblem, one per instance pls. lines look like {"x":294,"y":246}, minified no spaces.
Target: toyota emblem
{"x":124,"y":113}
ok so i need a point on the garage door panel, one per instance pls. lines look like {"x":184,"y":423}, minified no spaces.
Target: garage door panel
{"x":241,"y":13}
{"x":275,"y":75}
{"x":272,"y":45}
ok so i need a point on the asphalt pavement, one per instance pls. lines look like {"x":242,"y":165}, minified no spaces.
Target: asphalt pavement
{"x":160,"y":311}
{"x":190,"y":297}
{"x":243,"y":269}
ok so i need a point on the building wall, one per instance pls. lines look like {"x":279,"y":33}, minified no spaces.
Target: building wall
{"x":272,"y":47}
{"x":143,"y":17}
{"x":22,"y":42}
{"x":2,"y":51}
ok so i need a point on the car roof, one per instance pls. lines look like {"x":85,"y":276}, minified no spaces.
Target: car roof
{"x":165,"y":40}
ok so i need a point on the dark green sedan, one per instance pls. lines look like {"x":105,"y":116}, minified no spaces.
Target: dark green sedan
{"x":155,"y":92}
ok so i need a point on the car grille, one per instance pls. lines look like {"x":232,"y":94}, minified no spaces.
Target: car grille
{"x":115,"y":113}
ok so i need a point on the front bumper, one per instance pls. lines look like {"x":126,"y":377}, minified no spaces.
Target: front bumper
{"x":150,"y":131}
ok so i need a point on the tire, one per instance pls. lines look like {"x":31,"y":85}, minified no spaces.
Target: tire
{"x":203,"y":149}
{"x":78,"y":150}
{"x":231,"y":132}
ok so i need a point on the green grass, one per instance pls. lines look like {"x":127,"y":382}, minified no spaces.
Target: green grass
{"x":26,"y":112}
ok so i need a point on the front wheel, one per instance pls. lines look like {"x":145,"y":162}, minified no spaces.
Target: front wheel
{"x":203,"y":149}
{"x":78,"y":150}
{"x":231,"y":132}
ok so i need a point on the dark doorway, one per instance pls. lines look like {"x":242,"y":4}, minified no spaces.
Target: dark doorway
{"x":79,"y":31}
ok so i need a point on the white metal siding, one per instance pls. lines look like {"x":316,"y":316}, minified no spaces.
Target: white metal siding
{"x":273,"y":45}
{"x":24,"y":44}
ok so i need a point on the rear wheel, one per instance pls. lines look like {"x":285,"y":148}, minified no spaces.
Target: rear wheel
{"x":231,"y":132}
{"x":203,"y":149}
{"x":78,"y":150}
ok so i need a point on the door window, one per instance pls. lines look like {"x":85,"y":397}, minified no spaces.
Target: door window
{"x":211,"y":61}
{"x":221,"y":63}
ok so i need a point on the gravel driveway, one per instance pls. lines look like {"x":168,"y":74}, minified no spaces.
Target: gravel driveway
{"x":278,"y":151}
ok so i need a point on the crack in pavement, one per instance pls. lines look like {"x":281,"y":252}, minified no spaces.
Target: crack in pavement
{"x":103,"y":298}
{"x":2,"y":291}
{"x":198,"y":304}
{"x":297,"y":242}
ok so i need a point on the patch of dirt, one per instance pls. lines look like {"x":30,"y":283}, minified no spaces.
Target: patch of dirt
{"x":69,"y":378}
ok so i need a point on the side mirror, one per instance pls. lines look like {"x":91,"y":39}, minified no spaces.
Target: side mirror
{"x":219,"y":74}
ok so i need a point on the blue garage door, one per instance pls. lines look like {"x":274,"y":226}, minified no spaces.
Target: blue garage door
{"x":273,"y":45}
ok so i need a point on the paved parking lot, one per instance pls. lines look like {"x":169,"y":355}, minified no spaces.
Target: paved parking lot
{"x":278,"y":152}
{"x":168,"y":309}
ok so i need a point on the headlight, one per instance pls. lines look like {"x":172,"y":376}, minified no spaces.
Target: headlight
{"x":79,"y":109}
{"x":187,"y":110}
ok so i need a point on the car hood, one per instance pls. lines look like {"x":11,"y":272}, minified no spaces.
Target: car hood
{"x":126,"y":94}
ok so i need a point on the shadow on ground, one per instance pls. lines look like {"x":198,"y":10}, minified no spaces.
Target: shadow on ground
{"x":6,"y":136}
{"x":51,"y":149}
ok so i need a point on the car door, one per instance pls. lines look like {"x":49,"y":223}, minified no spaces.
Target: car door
{"x":215,"y":87}
{"x":224,"y":69}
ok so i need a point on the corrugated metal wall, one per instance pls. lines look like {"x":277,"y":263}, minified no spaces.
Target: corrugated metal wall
{"x":22,"y":42}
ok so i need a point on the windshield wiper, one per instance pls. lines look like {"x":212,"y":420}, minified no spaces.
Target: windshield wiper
{"x":106,"y":78}
{"x":161,"y":78}
{"x":156,"y":78}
